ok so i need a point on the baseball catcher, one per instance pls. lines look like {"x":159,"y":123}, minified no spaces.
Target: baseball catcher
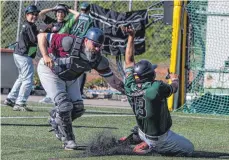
{"x":68,"y":57}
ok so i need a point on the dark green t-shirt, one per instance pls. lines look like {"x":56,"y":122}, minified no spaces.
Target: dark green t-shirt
{"x":65,"y":26}
{"x":82,"y":25}
{"x":149,"y":104}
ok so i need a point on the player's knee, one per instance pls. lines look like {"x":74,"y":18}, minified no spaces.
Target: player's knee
{"x":63,"y":103}
{"x":78,"y":109}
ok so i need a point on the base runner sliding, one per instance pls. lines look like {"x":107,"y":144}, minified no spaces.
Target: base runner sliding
{"x":147,"y":98}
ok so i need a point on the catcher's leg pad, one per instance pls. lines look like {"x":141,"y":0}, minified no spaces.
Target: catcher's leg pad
{"x":63,"y":116}
{"x":64,"y":122}
{"x":53,"y":123}
{"x":78,"y":109}
{"x":63,"y":102}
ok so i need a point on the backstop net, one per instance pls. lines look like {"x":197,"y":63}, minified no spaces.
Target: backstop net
{"x":208,"y":57}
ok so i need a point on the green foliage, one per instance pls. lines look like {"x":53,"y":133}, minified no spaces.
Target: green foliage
{"x":158,"y":43}
{"x":9,"y":22}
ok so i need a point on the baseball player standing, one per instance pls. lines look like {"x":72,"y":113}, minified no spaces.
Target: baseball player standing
{"x":147,"y":98}
{"x":24,"y":52}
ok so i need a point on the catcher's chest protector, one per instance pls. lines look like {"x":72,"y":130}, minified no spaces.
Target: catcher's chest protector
{"x":74,"y":64}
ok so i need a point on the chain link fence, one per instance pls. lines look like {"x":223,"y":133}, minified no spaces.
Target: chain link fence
{"x":158,"y":35}
{"x":208,"y":58}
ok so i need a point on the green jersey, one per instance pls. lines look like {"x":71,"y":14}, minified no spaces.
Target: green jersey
{"x":149,"y":104}
{"x":82,"y":25}
{"x":68,"y":25}
{"x":62,"y":27}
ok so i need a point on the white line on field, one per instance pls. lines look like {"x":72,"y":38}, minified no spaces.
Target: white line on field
{"x":33,"y":117}
{"x":42,"y":117}
{"x":195,"y":117}
{"x":116,"y":115}
{"x":86,"y":105}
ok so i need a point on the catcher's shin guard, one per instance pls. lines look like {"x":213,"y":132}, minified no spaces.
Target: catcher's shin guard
{"x":78,"y":110}
{"x":65,"y":127}
{"x":54,"y":125}
{"x":54,"y":128}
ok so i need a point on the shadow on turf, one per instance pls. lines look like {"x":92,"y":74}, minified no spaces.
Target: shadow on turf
{"x":47,"y":125}
{"x":205,"y":154}
{"x":124,"y":150}
{"x":106,"y":144}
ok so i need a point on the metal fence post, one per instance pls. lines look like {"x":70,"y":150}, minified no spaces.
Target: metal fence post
{"x":130,"y":5}
{"x":19,"y":20}
{"x":76,"y":5}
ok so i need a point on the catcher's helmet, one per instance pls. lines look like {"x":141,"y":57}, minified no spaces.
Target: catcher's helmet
{"x":96,"y":35}
{"x":85,"y":6}
{"x":31,"y":9}
{"x":144,"y":71}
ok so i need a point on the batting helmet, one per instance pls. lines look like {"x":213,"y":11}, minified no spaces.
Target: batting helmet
{"x":96,"y":35}
{"x":85,"y":6}
{"x":144,"y":71}
{"x":31,"y":9}
{"x":62,"y":7}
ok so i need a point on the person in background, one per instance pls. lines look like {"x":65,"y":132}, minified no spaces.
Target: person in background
{"x":80,"y":28}
{"x":24,"y":52}
{"x":58,"y":25}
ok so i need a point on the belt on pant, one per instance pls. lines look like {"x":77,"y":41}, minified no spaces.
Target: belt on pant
{"x":154,"y":138}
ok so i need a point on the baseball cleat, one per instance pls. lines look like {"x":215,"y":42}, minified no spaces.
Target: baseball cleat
{"x":21,"y":107}
{"x":70,"y":145}
{"x":9,"y":102}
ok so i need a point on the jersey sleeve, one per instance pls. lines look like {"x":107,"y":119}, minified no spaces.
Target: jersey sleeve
{"x":71,"y":21}
{"x":130,"y":83}
{"x":165,"y":90}
{"x":103,"y":67}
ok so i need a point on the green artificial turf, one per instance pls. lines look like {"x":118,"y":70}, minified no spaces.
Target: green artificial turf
{"x":29,"y":138}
